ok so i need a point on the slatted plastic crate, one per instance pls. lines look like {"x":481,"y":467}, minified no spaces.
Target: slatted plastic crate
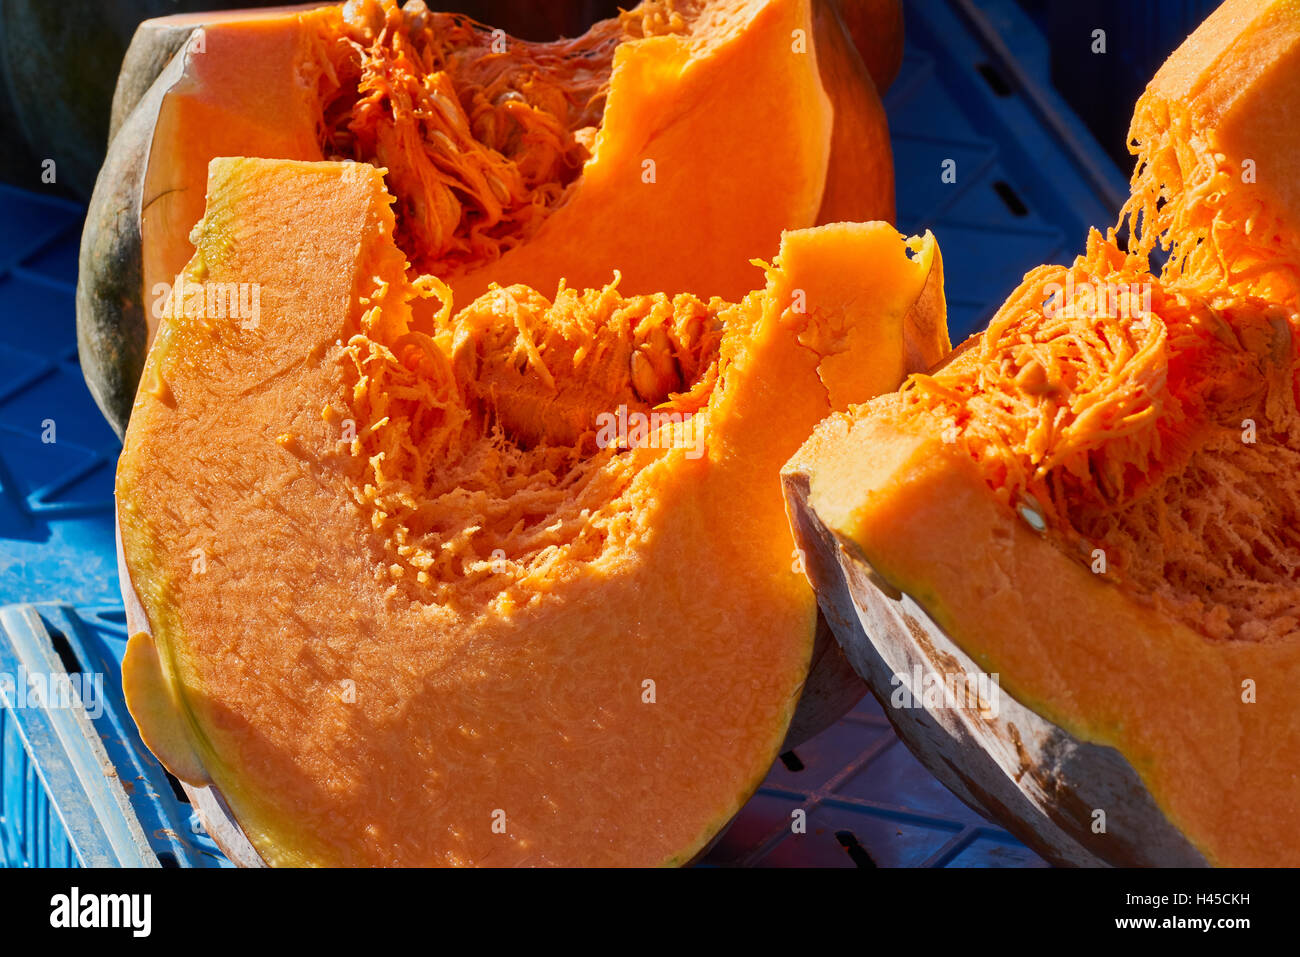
{"x":79,"y":788}
{"x":83,"y":790}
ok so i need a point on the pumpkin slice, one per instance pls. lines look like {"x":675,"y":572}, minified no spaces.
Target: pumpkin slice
{"x":506,"y":585}
{"x":1095,"y":503}
{"x":1068,"y":505}
{"x":511,"y":161}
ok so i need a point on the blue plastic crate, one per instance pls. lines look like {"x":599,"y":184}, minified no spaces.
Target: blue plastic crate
{"x":973,"y":88}
{"x":79,"y":787}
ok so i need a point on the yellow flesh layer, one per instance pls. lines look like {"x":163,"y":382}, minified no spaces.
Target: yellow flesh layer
{"x":446,"y":670}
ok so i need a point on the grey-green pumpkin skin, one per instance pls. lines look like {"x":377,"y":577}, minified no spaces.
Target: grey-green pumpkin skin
{"x":112,"y":323}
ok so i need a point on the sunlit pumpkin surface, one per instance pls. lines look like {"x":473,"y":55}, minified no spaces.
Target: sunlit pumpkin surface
{"x":416,"y":597}
{"x":1099,"y":496}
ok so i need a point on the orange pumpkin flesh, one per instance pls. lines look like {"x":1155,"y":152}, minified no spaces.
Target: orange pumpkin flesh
{"x":876,"y":27}
{"x":511,"y":161}
{"x":1098,"y":504}
{"x":392,"y":588}
{"x":860,"y":172}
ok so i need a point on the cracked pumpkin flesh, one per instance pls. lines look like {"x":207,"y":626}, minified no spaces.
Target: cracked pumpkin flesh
{"x":1101,"y":505}
{"x":430,"y":592}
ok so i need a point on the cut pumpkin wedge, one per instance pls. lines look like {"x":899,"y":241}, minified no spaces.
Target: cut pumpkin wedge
{"x":508,"y":584}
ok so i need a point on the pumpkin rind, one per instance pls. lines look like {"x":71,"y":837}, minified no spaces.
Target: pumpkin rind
{"x":876,"y":27}
{"x":112,"y":335}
